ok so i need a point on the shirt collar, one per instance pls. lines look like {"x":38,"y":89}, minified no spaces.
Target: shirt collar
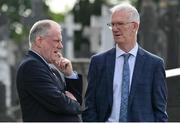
{"x":133,"y":51}
{"x":39,"y":56}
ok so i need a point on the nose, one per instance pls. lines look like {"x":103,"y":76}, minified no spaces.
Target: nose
{"x":114,"y":28}
{"x":60,"y":45}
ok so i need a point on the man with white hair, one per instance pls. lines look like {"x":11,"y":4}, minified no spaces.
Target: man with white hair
{"x":126,"y":83}
{"x":44,"y":96}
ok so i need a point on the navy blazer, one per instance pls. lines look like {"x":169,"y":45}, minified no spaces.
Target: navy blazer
{"x":41,"y":92}
{"x":148,"y":93}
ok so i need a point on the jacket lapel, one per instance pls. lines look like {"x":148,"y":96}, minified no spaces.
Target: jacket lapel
{"x":138,"y":69}
{"x":52,"y":73}
{"x":31,"y":53}
{"x":110,"y":63}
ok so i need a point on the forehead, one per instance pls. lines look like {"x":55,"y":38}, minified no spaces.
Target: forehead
{"x":120,"y":16}
{"x":55,"y":30}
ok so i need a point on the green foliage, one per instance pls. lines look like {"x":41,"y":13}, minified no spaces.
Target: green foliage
{"x":134,"y":2}
{"x":156,"y":1}
{"x":56,"y":17}
{"x":96,"y":7}
{"x":85,"y":8}
{"x":14,"y":8}
{"x":13,"y":12}
{"x":19,"y":38}
{"x":82,"y":11}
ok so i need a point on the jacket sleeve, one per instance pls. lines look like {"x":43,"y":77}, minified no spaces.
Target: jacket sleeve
{"x":160,"y":93}
{"x":90,"y":114}
{"x":72,"y":85}
{"x":42,"y":87}
{"x":75,"y":87}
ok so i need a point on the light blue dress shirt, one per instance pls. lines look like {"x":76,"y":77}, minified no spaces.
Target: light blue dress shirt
{"x":117,"y":82}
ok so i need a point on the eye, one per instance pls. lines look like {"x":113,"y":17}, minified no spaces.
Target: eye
{"x":120,"y":24}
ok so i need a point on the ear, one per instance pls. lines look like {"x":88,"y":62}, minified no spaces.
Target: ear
{"x":38,"y":41}
{"x":135,"y":26}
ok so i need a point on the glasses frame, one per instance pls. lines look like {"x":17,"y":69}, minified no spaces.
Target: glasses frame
{"x":118,"y":25}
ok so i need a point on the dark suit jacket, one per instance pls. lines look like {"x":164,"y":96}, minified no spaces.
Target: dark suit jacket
{"x":41,"y":92}
{"x":148,"y":94}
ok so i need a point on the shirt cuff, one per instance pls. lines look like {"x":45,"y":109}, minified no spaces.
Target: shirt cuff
{"x":74,"y":75}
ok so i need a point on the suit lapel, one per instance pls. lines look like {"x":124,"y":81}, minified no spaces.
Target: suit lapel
{"x":52,"y":74}
{"x":138,"y":69}
{"x":58,"y":77}
{"x":32,"y":54}
{"x":110,"y":63}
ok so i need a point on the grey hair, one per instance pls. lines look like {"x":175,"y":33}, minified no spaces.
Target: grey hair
{"x":40,"y":28}
{"x":127,"y":7}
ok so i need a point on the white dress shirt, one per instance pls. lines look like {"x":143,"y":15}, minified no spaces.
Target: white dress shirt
{"x":117,"y":82}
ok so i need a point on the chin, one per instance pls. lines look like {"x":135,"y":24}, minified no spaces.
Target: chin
{"x":118,"y":41}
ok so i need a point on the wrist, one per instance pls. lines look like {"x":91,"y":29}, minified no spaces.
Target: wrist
{"x":73,"y":75}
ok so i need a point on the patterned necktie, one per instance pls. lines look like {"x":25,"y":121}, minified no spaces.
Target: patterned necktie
{"x":125,"y":89}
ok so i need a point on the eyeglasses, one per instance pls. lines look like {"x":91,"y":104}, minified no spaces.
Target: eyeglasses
{"x":117,"y":25}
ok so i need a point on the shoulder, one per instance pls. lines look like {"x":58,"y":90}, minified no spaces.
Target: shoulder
{"x":150,"y":56}
{"x":29,"y":62}
{"x":104,"y":55}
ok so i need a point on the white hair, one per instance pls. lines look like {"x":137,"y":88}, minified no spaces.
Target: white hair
{"x":127,"y":7}
{"x":40,"y":28}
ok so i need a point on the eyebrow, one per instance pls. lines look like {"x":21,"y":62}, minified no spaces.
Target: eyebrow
{"x":59,"y":40}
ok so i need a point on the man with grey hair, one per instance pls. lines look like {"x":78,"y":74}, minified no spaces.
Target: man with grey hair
{"x":126,"y":83}
{"x":43,"y":93}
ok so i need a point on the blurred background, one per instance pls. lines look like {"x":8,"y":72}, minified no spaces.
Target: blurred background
{"x":85,"y":32}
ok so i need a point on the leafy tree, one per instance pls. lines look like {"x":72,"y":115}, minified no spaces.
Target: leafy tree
{"x":18,"y":17}
{"x":83,"y":10}
{"x":11,"y":13}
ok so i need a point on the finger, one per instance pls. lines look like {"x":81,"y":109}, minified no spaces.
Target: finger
{"x":63,"y":61}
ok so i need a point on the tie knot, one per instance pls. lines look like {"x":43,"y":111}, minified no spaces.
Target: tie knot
{"x":126,"y":56}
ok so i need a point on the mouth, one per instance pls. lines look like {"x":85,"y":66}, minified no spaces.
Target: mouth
{"x":117,"y":34}
{"x":58,"y":53}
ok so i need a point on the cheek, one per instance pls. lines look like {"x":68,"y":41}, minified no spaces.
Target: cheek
{"x":126,"y":33}
{"x":48,"y":51}
{"x":49,"y":55}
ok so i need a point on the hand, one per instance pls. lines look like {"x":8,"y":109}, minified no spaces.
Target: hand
{"x":70,"y":95}
{"x":63,"y":64}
